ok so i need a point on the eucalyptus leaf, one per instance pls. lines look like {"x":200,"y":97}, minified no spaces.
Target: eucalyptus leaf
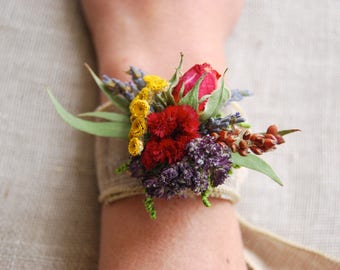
{"x":111,"y":116}
{"x":174,"y":79}
{"x":287,"y":131}
{"x":255,"y":163}
{"x":191,"y":98}
{"x":105,"y":129}
{"x":215,"y":101}
{"x":118,"y":101}
{"x":181,"y":91}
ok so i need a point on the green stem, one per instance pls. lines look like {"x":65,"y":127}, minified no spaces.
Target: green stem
{"x":161,"y":100}
{"x":150,"y":207}
{"x":205,"y":196}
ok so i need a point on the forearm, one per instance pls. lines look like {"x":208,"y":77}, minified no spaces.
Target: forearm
{"x":185,"y":235}
{"x":150,"y":35}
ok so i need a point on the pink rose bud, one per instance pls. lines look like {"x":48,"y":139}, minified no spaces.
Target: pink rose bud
{"x":189,"y":78}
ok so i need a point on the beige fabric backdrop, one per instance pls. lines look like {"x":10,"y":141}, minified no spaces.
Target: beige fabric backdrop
{"x":287,"y":52}
{"x":49,"y":215}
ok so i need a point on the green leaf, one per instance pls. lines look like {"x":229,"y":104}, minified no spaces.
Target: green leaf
{"x":215,"y":102}
{"x":111,"y":116}
{"x":106,"y":129}
{"x":255,"y":163}
{"x":191,"y":98}
{"x":204,"y":98}
{"x":174,"y":79}
{"x":181,"y":91}
{"x":118,"y":101}
{"x":244,"y":125}
{"x":173,"y":82}
{"x":287,"y":131}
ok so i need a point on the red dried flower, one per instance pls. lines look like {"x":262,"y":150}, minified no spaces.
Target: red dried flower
{"x":152,"y":155}
{"x":189,"y":78}
{"x":172,"y":150}
{"x":162,"y":124}
{"x":170,"y":132}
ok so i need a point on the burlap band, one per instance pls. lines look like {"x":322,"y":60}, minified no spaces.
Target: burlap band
{"x":266,"y":251}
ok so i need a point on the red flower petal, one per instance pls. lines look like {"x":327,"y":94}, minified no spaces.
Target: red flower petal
{"x":189,"y":79}
{"x":170,"y":131}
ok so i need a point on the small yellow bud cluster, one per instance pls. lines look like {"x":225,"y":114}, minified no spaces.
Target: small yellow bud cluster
{"x":155,"y":84}
{"x":140,"y":108}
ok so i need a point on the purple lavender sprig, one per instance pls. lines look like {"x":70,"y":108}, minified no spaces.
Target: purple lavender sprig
{"x":137,"y":77}
{"x":128,"y":89}
{"x":210,"y":157}
{"x":238,"y":95}
{"x":219,"y":124}
{"x":206,"y":164}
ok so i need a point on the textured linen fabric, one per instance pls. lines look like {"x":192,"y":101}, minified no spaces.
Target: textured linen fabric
{"x":287,"y":52}
{"x":49,"y":214}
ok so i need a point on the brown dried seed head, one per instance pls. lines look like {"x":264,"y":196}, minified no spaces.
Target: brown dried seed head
{"x":269,"y":144}
{"x":256,"y":137}
{"x":223,"y":134}
{"x":270,"y":136}
{"x":214,"y":135}
{"x":221,"y":143}
{"x":246,"y":135}
{"x":279,"y":139}
{"x":253,"y":137}
{"x":243,"y":152}
{"x":234,"y":148}
{"x":256,"y":150}
{"x":229,"y":141}
{"x":272,"y":129}
{"x":259,"y":141}
{"x":243,"y":144}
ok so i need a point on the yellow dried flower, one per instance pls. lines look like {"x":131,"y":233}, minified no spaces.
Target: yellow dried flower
{"x":135,"y":147}
{"x":145,"y":94}
{"x":138,"y":127}
{"x":139,"y":107}
{"x":155,"y":83}
{"x":132,"y":117}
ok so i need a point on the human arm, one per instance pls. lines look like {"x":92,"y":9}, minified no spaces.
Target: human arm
{"x":150,"y":35}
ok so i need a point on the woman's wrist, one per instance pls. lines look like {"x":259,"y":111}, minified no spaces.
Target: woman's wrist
{"x":185,"y":235}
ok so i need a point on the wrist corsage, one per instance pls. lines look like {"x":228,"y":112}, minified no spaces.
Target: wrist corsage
{"x":179,"y":141}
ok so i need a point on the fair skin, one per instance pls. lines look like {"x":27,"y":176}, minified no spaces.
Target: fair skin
{"x":150,"y":35}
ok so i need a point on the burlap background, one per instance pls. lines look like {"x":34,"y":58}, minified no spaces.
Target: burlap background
{"x":287,"y":52}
